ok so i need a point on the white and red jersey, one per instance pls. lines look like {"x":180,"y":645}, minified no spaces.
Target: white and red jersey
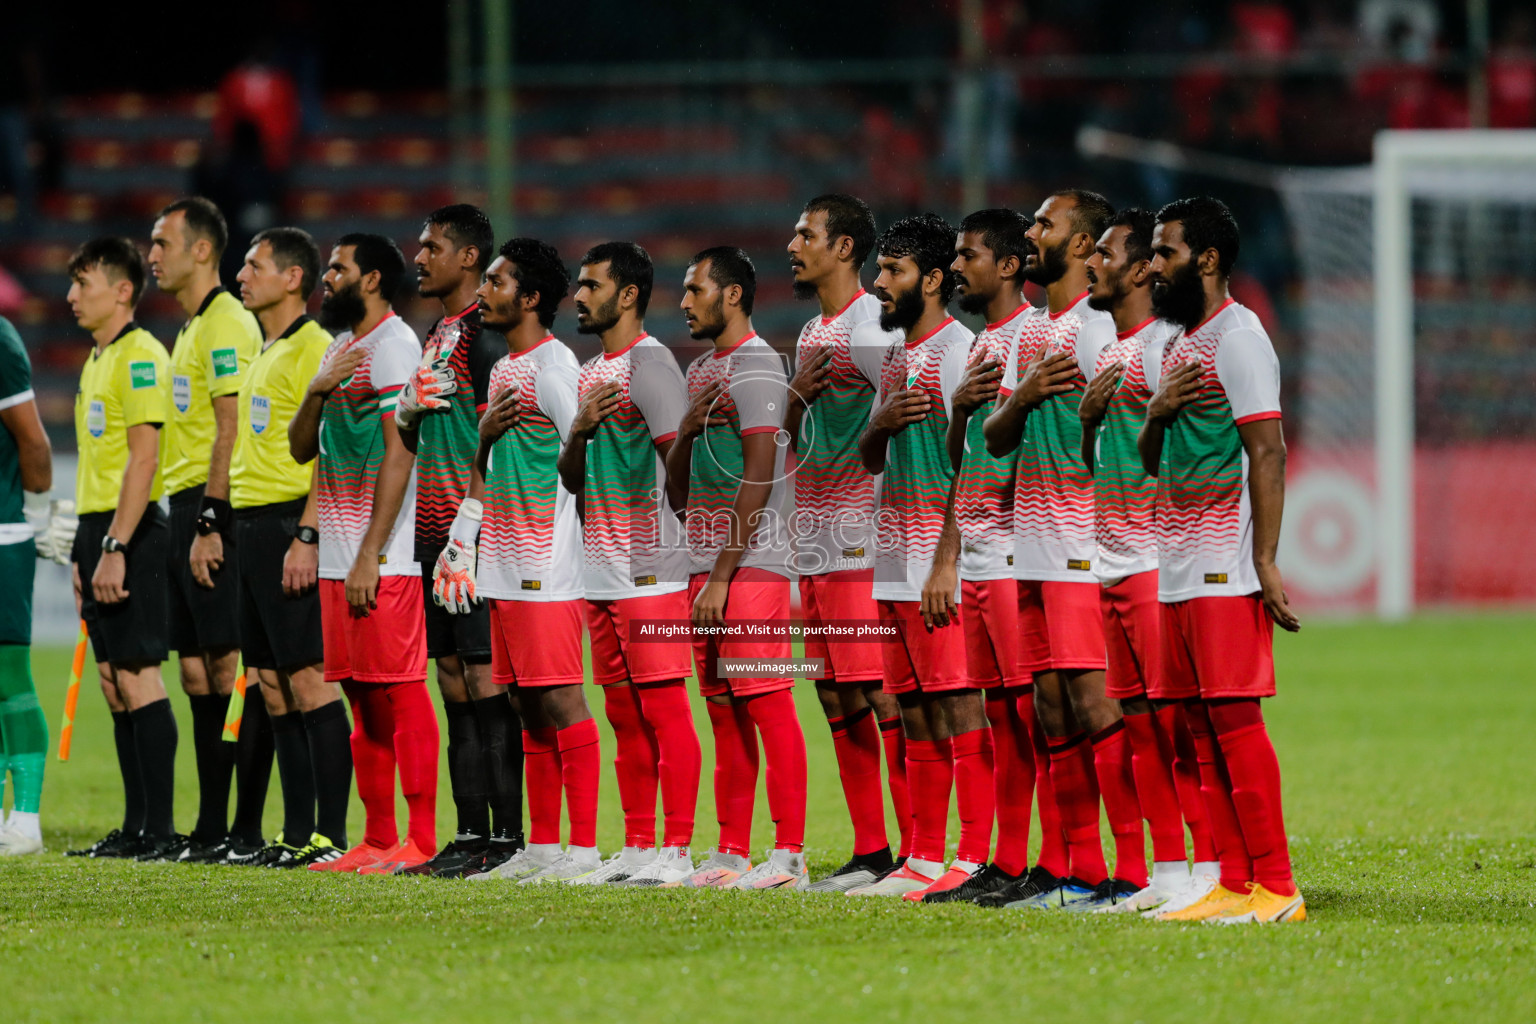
{"x":984,"y":495}
{"x":530,"y":537}
{"x":1204,"y":520}
{"x":752,"y":403}
{"x":914,"y":498}
{"x":634,"y":544}
{"x":1053,"y":537}
{"x":833,"y":526}
{"x":352,"y":450}
{"x":1124,"y":496}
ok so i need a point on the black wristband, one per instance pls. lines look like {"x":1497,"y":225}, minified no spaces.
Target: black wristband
{"x":214,"y":517}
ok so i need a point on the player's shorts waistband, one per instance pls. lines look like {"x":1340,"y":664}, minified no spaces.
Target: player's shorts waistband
{"x":189,"y":496}
{"x":277,"y":510}
{"x":94,"y":518}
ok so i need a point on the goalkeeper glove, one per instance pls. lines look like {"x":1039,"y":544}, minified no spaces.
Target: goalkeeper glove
{"x":453,"y":578}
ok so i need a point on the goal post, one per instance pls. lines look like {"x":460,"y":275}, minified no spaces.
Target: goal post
{"x":1407,"y":164}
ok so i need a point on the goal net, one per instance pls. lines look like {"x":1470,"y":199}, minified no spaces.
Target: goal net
{"x":1413,"y":469}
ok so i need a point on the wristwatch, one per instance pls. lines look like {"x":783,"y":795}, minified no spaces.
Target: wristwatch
{"x":110,"y":544}
{"x":307,"y":535}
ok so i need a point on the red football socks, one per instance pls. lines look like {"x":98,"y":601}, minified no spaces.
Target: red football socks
{"x":784,"y":750}
{"x":856,"y":741}
{"x":373,"y":761}
{"x":634,"y":763}
{"x":1154,"y":787}
{"x":1053,"y":835}
{"x":1077,"y":798}
{"x":541,"y":764}
{"x":1179,"y":751}
{"x":580,"y":766}
{"x":1013,"y":779}
{"x":416,"y":751}
{"x":895,"y":741}
{"x":679,"y":759}
{"x":735,"y":776}
{"x":1255,"y":773}
{"x":1216,"y":793}
{"x":930,"y":770}
{"x":1112,"y":766}
{"x":974,"y":796}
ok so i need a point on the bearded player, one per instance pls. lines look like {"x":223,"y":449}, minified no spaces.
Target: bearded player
{"x":830,"y":399}
{"x":1213,"y":439}
{"x":917,"y":583}
{"x":370,"y":588}
{"x":516,"y":541}
{"x":1054,"y":551}
{"x":989,"y":269}
{"x":727,"y":469}
{"x":1112,"y":412}
{"x":632,"y":397}
{"x":439,"y":417}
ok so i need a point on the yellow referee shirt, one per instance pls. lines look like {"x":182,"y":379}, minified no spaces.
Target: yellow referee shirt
{"x":123,"y":385}
{"x":262,"y":472}
{"x":209,"y":361}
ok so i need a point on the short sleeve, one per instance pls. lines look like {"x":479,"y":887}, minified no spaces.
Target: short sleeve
{"x":394,"y":360}
{"x":758,"y":390}
{"x":555,"y":390}
{"x":226,"y":341}
{"x":488,"y":349}
{"x":951,"y":373}
{"x":1152,"y":359}
{"x":144,"y":383}
{"x":1010,"y":368}
{"x":1097,"y":335}
{"x":1249,"y":372}
{"x":657,"y":388}
{"x":867,"y":347}
{"x":15,"y":368}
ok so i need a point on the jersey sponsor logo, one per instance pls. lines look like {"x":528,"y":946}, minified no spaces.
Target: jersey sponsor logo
{"x":645,"y":581}
{"x":1215,"y":577}
{"x":261,"y":413}
{"x":1079,"y":564}
{"x":141,"y":375}
{"x":532,"y":585}
{"x":96,"y":418}
{"x":226,"y":362}
{"x":1010,"y":559}
{"x":181,"y":390}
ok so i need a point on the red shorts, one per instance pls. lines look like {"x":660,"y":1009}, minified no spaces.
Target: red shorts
{"x":1062,"y":626}
{"x":536,"y":643}
{"x":756,"y":595}
{"x":989,"y":615}
{"x":617,"y":659}
{"x":849,"y":596}
{"x":388,"y":645}
{"x":1217,"y":647}
{"x":930,"y":662}
{"x":1131,"y":629}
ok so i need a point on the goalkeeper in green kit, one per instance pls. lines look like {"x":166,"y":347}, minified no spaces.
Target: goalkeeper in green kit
{"x":30,"y":527}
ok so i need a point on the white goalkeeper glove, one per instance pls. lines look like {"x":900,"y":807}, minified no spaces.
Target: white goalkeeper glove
{"x":453,"y":578}
{"x":427,"y":389}
{"x":53,"y":525}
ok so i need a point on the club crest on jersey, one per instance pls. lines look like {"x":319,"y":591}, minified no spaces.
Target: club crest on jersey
{"x":449,"y":343}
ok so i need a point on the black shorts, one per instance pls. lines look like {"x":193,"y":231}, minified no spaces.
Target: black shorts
{"x":277,"y":632}
{"x":200,"y":619}
{"x":468,"y":636}
{"x":131,"y":632}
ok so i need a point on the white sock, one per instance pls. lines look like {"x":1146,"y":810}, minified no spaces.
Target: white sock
{"x":928,"y":868}
{"x":584,"y":854}
{"x":1205,"y":869}
{"x":24,"y":823}
{"x":964,"y":865}
{"x":544,"y":851}
{"x":1170,"y":875}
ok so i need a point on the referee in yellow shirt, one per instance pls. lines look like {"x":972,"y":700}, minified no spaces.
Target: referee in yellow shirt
{"x":120,"y":551}
{"x":277,"y":548}
{"x":208,"y":363}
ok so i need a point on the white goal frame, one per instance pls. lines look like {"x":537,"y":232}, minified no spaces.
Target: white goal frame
{"x":1396,"y":155}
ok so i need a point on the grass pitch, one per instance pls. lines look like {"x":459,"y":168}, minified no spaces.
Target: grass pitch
{"x":1407,"y":757}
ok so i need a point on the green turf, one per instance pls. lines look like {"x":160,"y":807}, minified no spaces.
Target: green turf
{"x":1406,"y":752}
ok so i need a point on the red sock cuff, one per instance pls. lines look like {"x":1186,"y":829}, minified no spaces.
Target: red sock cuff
{"x":1062,"y":746}
{"x":1237,"y":734}
{"x":573,"y":737}
{"x":924,"y":750}
{"x":541,"y":741}
{"x":1108,"y":732}
{"x":968,"y":743}
{"x":890,"y":724}
{"x":844,"y":724}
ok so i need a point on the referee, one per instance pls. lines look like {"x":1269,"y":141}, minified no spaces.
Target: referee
{"x":277,"y":550}
{"x":208,"y":362}
{"x":122,"y":545}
